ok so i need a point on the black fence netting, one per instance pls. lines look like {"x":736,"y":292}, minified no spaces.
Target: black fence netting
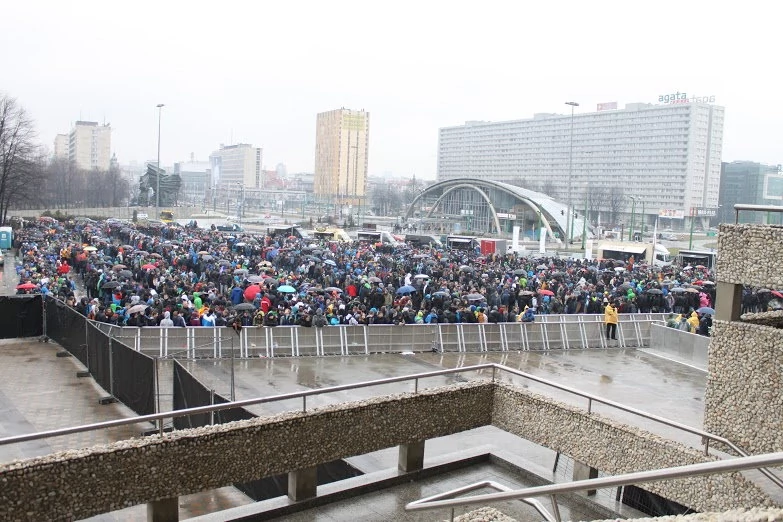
{"x":232,"y":414}
{"x":66,"y":327}
{"x":99,"y":358}
{"x":21,"y":316}
{"x":189,"y":393}
{"x":134,"y":378}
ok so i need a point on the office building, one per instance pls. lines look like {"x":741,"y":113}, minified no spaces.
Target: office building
{"x":668,"y":157}
{"x":749,"y":183}
{"x":89,"y":146}
{"x":61,"y":142}
{"x":234,"y":165}
{"x":341,"y":153}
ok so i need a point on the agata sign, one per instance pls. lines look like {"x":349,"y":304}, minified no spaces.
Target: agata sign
{"x":681,"y":97}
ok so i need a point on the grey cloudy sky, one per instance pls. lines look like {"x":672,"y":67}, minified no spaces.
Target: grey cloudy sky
{"x":260,"y":71}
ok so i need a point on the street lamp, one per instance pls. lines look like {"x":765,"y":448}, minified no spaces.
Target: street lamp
{"x":633,"y":210}
{"x":570,"y":169}
{"x":157,"y":176}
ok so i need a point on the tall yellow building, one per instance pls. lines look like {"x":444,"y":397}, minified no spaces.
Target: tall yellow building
{"x":341,"y":147}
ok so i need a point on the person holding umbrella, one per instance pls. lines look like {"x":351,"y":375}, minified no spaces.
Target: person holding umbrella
{"x":610,"y":319}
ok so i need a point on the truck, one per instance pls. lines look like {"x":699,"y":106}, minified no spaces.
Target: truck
{"x":283,"y":230}
{"x":697,"y":257}
{"x":649,"y":253}
{"x":332,"y":234}
{"x":377,"y":236}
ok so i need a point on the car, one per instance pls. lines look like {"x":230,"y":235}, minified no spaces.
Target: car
{"x":671,"y":237}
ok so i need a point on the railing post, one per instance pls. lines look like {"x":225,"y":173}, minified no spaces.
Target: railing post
{"x":304,"y":403}
{"x":416,"y":385}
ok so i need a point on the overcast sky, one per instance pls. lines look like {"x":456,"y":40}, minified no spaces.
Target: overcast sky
{"x":259,"y":72}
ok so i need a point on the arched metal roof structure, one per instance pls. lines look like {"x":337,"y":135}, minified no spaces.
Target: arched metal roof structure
{"x":486,"y":206}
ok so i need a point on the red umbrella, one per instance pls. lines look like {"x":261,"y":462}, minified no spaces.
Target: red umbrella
{"x":546,"y":292}
{"x":149,"y":266}
{"x":777,"y":294}
{"x":26,"y":286}
{"x":251,"y":292}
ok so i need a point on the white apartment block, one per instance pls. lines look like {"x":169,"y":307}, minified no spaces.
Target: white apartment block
{"x":89,"y":146}
{"x":666,"y":156}
{"x":341,"y":154}
{"x":61,"y":142}
{"x":236,"y":165}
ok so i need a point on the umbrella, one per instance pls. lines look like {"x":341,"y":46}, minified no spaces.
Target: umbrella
{"x":656,"y":291}
{"x":474,"y":297}
{"x":466,"y":268}
{"x":149,"y":266}
{"x":421,"y":276}
{"x":125,"y":273}
{"x":251,"y":292}
{"x":129,"y":247}
{"x":625,"y":286}
{"x":701,"y":267}
{"x":619,"y":269}
{"x":777,"y":294}
{"x":692,"y":290}
{"x":520,"y":271}
{"x":333,"y":289}
{"x":440,"y":293}
{"x":142,"y":253}
{"x":762,"y":290}
{"x":546,"y":292}
{"x":90,"y":249}
{"x":26,"y":286}
{"x":118,"y":267}
{"x":708,"y":283}
{"x":241,"y":271}
{"x":244,"y":307}
{"x":286,"y":289}
{"x":207,"y":257}
{"x":374,"y":279}
{"x":203,"y":252}
{"x":224,"y":262}
{"x":677,"y":290}
{"x":705,"y":310}
{"x":407,"y":289}
{"x":329,"y":262}
{"x":135,"y":309}
{"x":541,"y":267}
{"x":255,"y":279}
{"x":155,"y":255}
{"x":109,"y":285}
{"x":526,"y":292}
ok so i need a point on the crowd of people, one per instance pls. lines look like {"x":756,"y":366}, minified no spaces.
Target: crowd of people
{"x":165,"y":275}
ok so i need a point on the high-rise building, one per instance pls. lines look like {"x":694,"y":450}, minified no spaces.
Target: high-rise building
{"x":234,"y":165}
{"x":341,"y":153}
{"x":667,"y":157}
{"x":749,"y":183}
{"x":89,"y":146}
{"x":61,"y":146}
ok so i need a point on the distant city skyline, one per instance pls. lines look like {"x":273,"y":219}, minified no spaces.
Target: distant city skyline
{"x":493,"y":63}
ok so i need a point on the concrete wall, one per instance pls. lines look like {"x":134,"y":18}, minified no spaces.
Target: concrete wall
{"x":82,"y":483}
{"x":744,"y":399}
{"x":615,"y":448}
{"x":750,"y":255}
{"x":680,"y":346}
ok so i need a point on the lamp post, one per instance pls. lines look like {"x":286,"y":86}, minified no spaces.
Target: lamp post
{"x":157,"y":175}
{"x":643,"y":219}
{"x":584,"y":221}
{"x":693,"y":220}
{"x":633,"y":210}
{"x":570,"y":170}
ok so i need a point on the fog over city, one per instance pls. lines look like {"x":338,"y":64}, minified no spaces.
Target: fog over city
{"x":259,"y":72}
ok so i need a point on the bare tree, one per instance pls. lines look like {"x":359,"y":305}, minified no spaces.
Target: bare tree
{"x":616,"y":202}
{"x":19,"y":155}
{"x":598,"y":198}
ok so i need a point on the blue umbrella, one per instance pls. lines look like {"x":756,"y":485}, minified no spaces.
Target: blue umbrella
{"x":705,"y":310}
{"x":329,"y":262}
{"x":407,"y":289}
{"x":286,"y":289}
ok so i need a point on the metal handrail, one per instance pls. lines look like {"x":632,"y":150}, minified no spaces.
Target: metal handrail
{"x":754,"y":208}
{"x":705,"y":436}
{"x":638,"y":477}
{"x":544,"y":512}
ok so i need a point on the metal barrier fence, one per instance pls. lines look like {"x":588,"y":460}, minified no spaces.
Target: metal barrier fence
{"x":549,"y":332}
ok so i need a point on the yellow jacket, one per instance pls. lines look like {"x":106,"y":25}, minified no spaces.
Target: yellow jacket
{"x":693,"y":320}
{"x":610,"y":314}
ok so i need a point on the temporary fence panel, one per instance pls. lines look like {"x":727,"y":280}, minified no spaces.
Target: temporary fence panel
{"x":98,"y":355}
{"x":21,"y":316}
{"x":133,"y":377}
{"x":189,"y":392}
{"x":67,"y":327}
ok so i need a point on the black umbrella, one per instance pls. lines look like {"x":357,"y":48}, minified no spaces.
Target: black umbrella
{"x":466,"y":268}
{"x":244,"y":306}
{"x":374,"y":279}
{"x":125,"y":273}
{"x":109,"y":285}
{"x":474,"y":297}
{"x":520,"y":271}
{"x":655,"y":291}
